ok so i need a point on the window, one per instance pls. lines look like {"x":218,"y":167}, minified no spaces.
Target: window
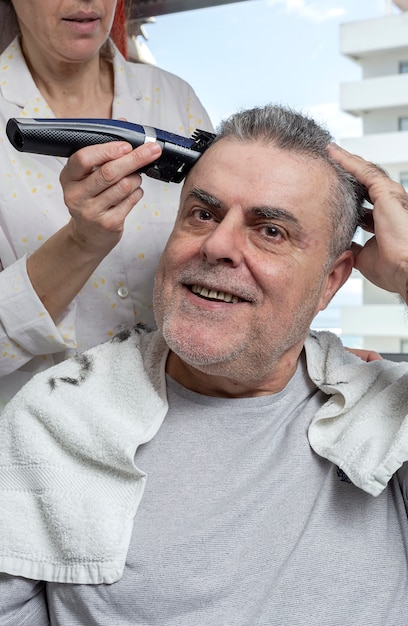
{"x":404,"y":179}
{"x":404,"y":346}
{"x":403,"y":67}
{"x":403,"y":123}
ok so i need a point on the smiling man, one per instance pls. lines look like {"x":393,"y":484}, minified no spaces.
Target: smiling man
{"x":249,"y":262}
{"x":232,"y":467}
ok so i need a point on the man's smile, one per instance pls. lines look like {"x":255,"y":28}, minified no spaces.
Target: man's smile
{"x":212,"y":294}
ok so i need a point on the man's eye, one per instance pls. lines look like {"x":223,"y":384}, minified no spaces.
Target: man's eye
{"x":273,"y":232}
{"x":202,"y":214}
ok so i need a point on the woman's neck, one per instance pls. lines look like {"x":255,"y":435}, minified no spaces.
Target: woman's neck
{"x":76,"y":89}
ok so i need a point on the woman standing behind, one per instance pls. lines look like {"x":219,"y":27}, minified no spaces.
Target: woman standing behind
{"x":69,"y":277}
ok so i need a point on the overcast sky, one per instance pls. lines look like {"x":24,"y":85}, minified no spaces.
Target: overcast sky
{"x":248,"y":53}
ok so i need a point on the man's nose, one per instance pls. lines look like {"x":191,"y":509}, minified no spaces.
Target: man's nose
{"x":225,"y":244}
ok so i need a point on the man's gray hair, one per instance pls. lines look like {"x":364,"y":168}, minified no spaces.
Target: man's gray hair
{"x":293,"y":131}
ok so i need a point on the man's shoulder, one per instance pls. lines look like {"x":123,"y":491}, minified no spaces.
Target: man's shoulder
{"x":127,"y":345}
{"x":334,"y":369}
{"x":118,"y":359}
{"x":326,"y":348}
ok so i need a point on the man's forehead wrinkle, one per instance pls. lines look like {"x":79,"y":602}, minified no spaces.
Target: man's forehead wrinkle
{"x":205,"y":197}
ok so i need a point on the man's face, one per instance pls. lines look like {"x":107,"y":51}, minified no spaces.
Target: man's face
{"x":243,"y":273}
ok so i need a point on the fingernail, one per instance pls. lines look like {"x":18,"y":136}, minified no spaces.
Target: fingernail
{"x":152,"y":148}
{"x":125,"y":148}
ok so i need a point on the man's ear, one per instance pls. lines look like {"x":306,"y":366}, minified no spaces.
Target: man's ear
{"x":336,"y":277}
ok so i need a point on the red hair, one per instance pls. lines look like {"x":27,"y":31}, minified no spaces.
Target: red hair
{"x":119,"y":28}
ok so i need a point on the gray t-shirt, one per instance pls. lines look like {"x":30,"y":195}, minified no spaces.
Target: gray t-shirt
{"x":242,"y":524}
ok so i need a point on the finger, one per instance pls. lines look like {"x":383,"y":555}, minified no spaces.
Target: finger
{"x":114,"y":171}
{"x":366,"y":256}
{"x":372,"y":176}
{"x":90,"y":199}
{"x":119,"y":192}
{"x":113,"y":218}
{"x":365,"y":355}
{"x":117,"y":157}
{"x":373,"y":356}
{"x":356,"y":248}
{"x":364,"y":171}
{"x":86,"y":160}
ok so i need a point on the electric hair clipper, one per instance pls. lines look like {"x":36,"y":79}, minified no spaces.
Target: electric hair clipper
{"x":62,"y":137}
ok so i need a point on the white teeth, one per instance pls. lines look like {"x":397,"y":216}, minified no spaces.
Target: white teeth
{"x":215,"y":295}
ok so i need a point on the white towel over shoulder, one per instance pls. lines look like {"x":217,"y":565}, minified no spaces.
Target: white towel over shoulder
{"x":69,"y":486}
{"x":363,"y":427}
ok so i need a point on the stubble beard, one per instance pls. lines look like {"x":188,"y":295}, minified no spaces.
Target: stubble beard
{"x":249,"y":361}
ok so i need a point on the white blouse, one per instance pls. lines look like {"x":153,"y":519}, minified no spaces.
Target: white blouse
{"x":32,"y":209}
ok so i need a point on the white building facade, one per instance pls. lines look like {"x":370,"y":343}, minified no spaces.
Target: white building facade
{"x":380,"y":99}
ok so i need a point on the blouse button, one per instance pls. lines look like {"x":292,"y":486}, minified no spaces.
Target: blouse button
{"x":123,"y":292}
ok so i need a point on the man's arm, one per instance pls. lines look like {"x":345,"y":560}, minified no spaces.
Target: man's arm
{"x":383,"y":259}
{"x":22,"y":602}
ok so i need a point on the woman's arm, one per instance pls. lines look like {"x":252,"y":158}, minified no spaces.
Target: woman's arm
{"x":101,"y":187}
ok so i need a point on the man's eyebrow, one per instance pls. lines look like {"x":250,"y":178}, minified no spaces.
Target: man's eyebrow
{"x":274,"y":213}
{"x":205,"y":197}
{"x":279,"y":215}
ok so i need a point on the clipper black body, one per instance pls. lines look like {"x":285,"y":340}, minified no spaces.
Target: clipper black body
{"x":62,"y":137}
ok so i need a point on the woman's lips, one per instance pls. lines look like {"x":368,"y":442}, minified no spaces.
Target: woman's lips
{"x":82,"y":22}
